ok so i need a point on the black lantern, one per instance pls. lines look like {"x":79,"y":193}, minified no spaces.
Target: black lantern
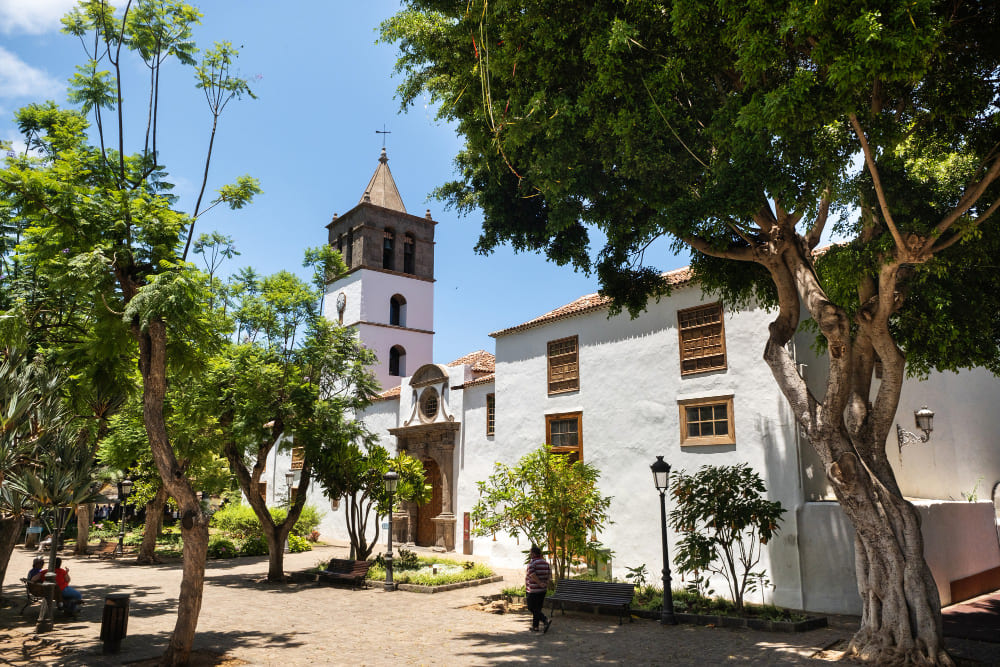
{"x":661,"y":477}
{"x":391,"y":479}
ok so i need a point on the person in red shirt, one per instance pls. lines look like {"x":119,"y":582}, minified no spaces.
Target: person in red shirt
{"x":536,"y":584}
{"x":71,"y":597}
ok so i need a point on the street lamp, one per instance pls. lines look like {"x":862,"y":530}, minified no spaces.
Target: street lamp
{"x":124,"y":491}
{"x":289,"y":478}
{"x":924,"y":419}
{"x":391,"y":479}
{"x":661,"y":474}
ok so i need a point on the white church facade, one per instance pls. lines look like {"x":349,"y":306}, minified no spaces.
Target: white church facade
{"x":685,"y":380}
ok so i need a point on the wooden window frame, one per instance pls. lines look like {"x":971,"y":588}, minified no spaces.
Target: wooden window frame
{"x":549,"y":357}
{"x":681,"y":329}
{"x":298,"y":456}
{"x":691,"y":441}
{"x":565,"y":449}
{"x":491,"y":414}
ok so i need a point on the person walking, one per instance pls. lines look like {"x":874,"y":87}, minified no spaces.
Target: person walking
{"x":536,"y":584}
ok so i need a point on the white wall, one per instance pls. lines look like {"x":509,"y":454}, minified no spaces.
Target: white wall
{"x":959,"y":541}
{"x":630,"y":383}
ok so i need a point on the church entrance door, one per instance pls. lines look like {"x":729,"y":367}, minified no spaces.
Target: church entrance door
{"x":426,"y":531}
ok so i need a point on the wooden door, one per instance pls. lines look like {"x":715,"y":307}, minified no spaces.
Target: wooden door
{"x":426,"y":531}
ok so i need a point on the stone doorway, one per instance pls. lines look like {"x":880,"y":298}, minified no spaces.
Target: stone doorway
{"x":426,"y":530}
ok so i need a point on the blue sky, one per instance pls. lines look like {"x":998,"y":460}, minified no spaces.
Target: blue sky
{"x":323,"y":88}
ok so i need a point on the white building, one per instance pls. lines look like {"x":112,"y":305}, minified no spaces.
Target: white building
{"x":685,"y":380}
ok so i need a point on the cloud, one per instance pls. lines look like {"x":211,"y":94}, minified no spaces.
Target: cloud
{"x":19,"y":79}
{"x":32,"y":16}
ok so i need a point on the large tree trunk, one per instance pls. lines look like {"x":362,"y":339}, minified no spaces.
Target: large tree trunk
{"x":153,"y":364}
{"x":84,"y":517}
{"x":275,"y":534}
{"x":10,"y":529}
{"x":901,"y":613}
{"x":154,"y":518}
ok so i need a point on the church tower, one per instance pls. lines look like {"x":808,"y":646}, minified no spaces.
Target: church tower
{"x":388,"y":292}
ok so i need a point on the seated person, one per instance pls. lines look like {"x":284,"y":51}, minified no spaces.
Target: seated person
{"x":71,"y":596}
{"x":37,"y":566}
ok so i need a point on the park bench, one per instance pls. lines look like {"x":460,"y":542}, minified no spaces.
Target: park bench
{"x":35,"y":592}
{"x":104,"y":550}
{"x":593,"y":593}
{"x":339,"y":569}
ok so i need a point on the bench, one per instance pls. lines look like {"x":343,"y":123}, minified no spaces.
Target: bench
{"x":594,"y":593}
{"x":339,"y":569}
{"x":104,"y":550}
{"x":35,"y":592}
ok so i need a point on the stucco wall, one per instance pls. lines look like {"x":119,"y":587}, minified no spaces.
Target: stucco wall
{"x":959,"y":541}
{"x":630,"y":383}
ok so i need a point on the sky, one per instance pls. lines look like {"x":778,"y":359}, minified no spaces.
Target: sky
{"x":323,"y":87}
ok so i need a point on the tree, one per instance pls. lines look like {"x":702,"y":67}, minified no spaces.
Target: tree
{"x":103,"y":217}
{"x":741,"y":131}
{"x":552,"y":501}
{"x":295,"y":380}
{"x":725,"y":521}
{"x":355,"y":475}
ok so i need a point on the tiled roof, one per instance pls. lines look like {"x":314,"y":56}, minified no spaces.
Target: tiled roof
{"x":486,"y":379}
{"x":480,"y":360}
{"x":587,"y":304}
{"x":382,"y":190}
{"x":389,"y":394}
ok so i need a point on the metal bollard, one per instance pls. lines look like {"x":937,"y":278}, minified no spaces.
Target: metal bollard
{"x":114,"y":622}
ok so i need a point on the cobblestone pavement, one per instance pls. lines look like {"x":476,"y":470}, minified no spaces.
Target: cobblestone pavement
{"x":301,"y":624}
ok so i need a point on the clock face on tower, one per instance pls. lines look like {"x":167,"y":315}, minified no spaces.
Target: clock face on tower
{"x":341,"y":303}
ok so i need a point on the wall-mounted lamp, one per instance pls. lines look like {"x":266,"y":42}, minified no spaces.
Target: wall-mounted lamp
{"x":924,"y":419}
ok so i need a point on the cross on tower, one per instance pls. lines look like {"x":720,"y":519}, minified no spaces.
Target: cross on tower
{"x":383,"y":132}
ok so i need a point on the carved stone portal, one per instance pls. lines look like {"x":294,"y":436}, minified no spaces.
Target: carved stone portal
{"x":431,"y":524}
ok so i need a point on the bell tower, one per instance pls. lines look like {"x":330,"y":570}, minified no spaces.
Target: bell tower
{"x":388,"y":292}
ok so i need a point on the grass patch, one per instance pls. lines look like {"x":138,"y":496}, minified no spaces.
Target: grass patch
{"x":447,"y":572}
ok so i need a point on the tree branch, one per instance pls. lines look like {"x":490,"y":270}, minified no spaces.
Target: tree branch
{"x":877,"y":182}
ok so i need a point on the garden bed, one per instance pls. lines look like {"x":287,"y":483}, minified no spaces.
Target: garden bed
{"x":752,"y":623}
{"x":440,"y":588}
{"x":431,"y":574}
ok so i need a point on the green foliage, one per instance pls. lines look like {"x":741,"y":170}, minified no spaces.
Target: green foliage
{"x":724,"y":520}
{"x":298,"y":544}
{"x":255,"y":545}
{"x":356,"y":475}
{"x":241,"y":523}
{"x":548,"y":499}
{"x":637,"y":575}
{"x":449,"y":572}
{"x":221,"y":547}
{"x":404,"y":559}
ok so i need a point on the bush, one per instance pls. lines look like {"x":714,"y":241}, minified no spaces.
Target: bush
{"x":254,"y":546}
{"x":221,"y":547}
{"x":298,"y":544}
{"x":240,"y":522}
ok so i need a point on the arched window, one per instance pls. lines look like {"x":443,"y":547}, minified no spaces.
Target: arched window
{"x":397,"y":361}
{"x":409,"y":255}
{"x":389,"y":250}
{"x":397,"y":310}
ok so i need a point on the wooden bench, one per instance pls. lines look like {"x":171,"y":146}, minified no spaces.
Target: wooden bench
{"x":593,"y":593}
{"x":35,"y":592}
{"x":104,"y":550}
{"x":339,"y":569}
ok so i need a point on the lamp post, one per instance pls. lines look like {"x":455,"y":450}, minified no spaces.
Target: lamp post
{"x":124,"y":491}
{"x":391,"y":479}
{"x":661,"y":474}
{"x":924,"y":419}
{"x":289,"y":478}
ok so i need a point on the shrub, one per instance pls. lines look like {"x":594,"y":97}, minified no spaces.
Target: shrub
{"x":254,"y":546}
{"x":298,"y":544}
{"x":240,"y":522}
{"x":221,"y":547}
{"x":725,"y":521}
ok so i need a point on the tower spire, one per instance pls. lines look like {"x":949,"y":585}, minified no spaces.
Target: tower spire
{"x":381,"y":190}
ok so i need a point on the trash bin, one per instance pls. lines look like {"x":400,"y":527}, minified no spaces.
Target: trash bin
{"x":114,"y":622}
